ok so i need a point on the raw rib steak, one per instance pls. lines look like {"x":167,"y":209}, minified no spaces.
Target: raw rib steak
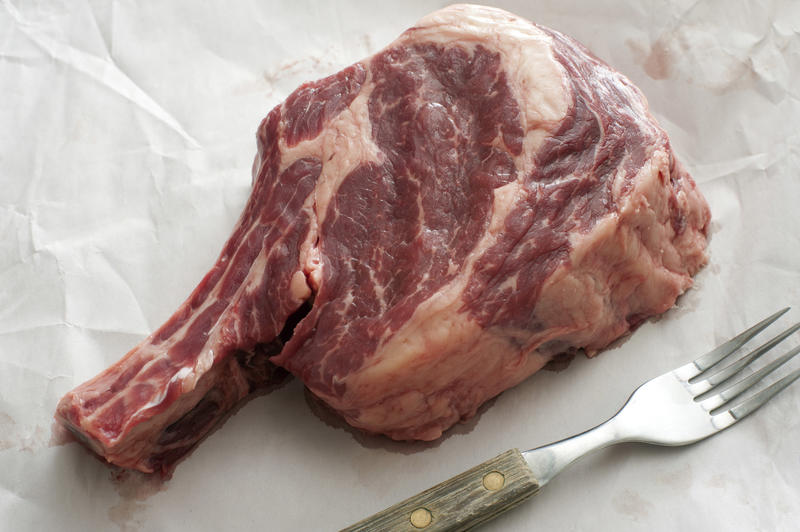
{"x":443,"y":218}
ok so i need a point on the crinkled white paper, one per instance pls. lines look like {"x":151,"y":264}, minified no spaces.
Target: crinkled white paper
{"x":125,"y":151}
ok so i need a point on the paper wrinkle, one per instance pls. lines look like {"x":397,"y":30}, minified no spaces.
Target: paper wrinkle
{"x":106,"y":230}
{"x":22,"y":312}
{"x":721,"y":57}
{"x":16,"y":222}
{"x":131,"y":317}
{"x":106,"y":40}
{"x":104,"y":71}
{"x":728,"y":168}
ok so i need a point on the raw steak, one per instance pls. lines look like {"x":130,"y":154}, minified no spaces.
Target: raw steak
{"x":439,"y":220}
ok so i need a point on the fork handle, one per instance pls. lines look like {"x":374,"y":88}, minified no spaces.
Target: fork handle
{"x":462,"y":502}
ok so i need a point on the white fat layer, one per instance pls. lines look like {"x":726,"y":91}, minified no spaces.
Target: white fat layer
{"x":505,"y":199}
{"x":344,"y":144}
{"x":536,"y":79}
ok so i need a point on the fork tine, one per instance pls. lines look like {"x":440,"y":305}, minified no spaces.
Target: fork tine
{"x":732,"y":392}
{"x":756,"y":401}
{"x":717,"y":354}
{"x":716,"y":377}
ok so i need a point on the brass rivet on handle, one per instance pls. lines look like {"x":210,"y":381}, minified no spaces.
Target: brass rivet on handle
{"x":493,"y":481}
{"x":421,"y":517}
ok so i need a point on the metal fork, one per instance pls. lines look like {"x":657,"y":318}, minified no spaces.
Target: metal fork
{"x":680,"y":407}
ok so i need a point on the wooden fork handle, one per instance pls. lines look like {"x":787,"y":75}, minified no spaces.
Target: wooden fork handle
{"x":462,"y":502}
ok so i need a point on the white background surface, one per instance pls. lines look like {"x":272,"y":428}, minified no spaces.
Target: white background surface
{"x":125,"y":150}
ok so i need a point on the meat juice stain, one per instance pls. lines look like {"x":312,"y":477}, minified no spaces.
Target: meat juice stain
{"x":21,"y":438}
{"x":378,"y":441}
{"x":656,"y":59}
{"x":60,"y":435}
{"x":7,"y":424}
{"x":658,"y":64}
{"x":134,"y":488}
{"x":632,"y":505}
{"x":674,"y":55}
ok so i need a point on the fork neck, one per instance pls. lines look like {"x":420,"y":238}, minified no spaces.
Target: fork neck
{"x":548,"y":461}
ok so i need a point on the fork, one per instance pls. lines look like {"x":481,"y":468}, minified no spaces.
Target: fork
{"x":682,"y":406}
